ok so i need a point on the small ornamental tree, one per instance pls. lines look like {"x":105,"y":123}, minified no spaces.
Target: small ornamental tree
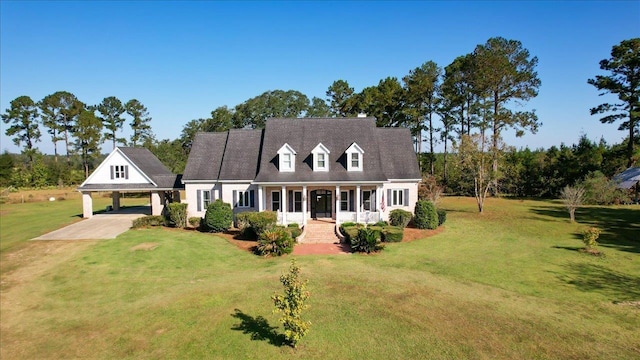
{"x":291,"y":305}
{"x":572,"y":198}
{"x":218,"y":217}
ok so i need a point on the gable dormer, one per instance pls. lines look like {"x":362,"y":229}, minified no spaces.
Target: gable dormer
{"x":355,"y":156}
{"x":320,"y":158}
{"x":287,"y":158}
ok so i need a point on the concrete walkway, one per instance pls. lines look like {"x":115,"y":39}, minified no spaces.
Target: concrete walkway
{"x":100,"y":226}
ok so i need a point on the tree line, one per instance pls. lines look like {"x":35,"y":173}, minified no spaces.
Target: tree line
{"x":466,"y":105}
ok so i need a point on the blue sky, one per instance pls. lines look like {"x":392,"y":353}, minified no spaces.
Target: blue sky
{"x":184,"y":59}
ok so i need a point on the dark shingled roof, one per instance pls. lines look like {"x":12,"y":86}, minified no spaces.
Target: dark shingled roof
{"x":252,"y":154}
{"x":205,"y":157}
{"x":241,"y":155}
{"x":150,"y":166}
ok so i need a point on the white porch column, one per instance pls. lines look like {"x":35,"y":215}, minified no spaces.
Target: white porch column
{"x":379,"y":202}
{"x":337,"y":204}
{"x":87,"y":205}
{"x":357,"y":203}
{"x":304,"y":204}
{"x":283,"y":206}
{"x":260,"y":198}
{"x":115,"y":200}
{"x":156,"y":203}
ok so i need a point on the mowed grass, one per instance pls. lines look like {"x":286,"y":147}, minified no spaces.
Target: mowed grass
{"x":508,"y":284}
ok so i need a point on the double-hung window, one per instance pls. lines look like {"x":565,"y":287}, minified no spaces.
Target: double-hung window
{"x":366,"y":200}
{"x":297,"y":201}
{"x":322,"y":164}
{"x":206,"y":198}
{"x":344,"y":201}
{"x":243,"y":199}
{"x":397,"y":197}
{"x":275,"y":201}
{"x":355,"y":160}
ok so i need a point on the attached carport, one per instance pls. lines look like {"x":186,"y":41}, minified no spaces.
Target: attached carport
{"x":129,"y":169}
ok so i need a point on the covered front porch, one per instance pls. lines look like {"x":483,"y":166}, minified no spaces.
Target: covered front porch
{"x":341,"y":203}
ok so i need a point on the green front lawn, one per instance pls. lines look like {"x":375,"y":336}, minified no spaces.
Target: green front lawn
{"x":508,"y":284}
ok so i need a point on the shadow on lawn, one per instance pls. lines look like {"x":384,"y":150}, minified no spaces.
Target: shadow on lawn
{"x":596,"y":278}
{"x":620,"y":226}
{"x":258,"y":328}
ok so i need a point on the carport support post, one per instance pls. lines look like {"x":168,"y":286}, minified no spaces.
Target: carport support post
{"x":156,"y":203}
{"x":87,"y":205}
{"x":115,"y":197}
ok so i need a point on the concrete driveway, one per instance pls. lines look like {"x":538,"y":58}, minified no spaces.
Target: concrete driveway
{"x":100,"y":226}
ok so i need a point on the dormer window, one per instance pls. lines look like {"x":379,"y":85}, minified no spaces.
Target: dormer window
{"x":355,"y":156}
{"x":320,"y":158}
{"x":287,"y":158}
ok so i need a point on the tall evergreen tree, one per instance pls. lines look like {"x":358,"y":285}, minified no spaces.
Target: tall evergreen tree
{"x":60,"y":111}
{"x":276,"y":103}
{"x":340,"y":98}
{"x":385,"y":102}
{"x":23,"y":117}
{"x":422,"y":86}
{"x":88,"y":134}
{"x":111,"y":110}
{"x":139,"y":122}
{"x":318,"y":108}
{"x":504,"y":71}
{"x":624,"y":82}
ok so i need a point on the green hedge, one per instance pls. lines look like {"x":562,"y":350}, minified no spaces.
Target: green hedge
{"x":149,"y":220}
{"x":392,"y":234}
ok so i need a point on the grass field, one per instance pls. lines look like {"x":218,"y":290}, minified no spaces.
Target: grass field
{"x":508,"y":284}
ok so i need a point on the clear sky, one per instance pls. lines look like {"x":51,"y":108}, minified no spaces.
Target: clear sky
{"x":184,"y":59}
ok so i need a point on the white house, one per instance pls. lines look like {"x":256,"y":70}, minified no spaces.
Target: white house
{"x":129,"y":169}
{"x":344,"y":169}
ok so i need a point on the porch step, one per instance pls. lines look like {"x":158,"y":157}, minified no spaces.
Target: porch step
{"x":320,"y":233}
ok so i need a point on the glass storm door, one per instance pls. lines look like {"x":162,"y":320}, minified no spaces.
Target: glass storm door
{"x":321,"y":204}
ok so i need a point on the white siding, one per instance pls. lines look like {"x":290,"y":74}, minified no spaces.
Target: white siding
{"x":413,"y":196}
{"x":191,"y":197}
{"x":102,"y":175}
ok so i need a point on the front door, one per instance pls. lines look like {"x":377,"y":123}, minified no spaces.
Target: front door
{"x":321,"y":204}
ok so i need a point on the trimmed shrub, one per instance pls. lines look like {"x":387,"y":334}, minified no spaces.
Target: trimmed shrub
{"x":274,"y":242}
{"x":177,"y":214}
{"x":149,"y":220}
{"x":195,"y":221}
{"x":366,"y":241}
{"x":381,"y":224}
{"x":442,"y":216}
{"x":377,"y":230}
{"x":350,"y":233}
{"x":399,"y":217}
{"x":426,"y":215}
{"x":257,"y":222}
{"x":348,"y":224}
{"x":294,"y":225}
{"x":392,"y":234}
{"x":218,"y":217}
